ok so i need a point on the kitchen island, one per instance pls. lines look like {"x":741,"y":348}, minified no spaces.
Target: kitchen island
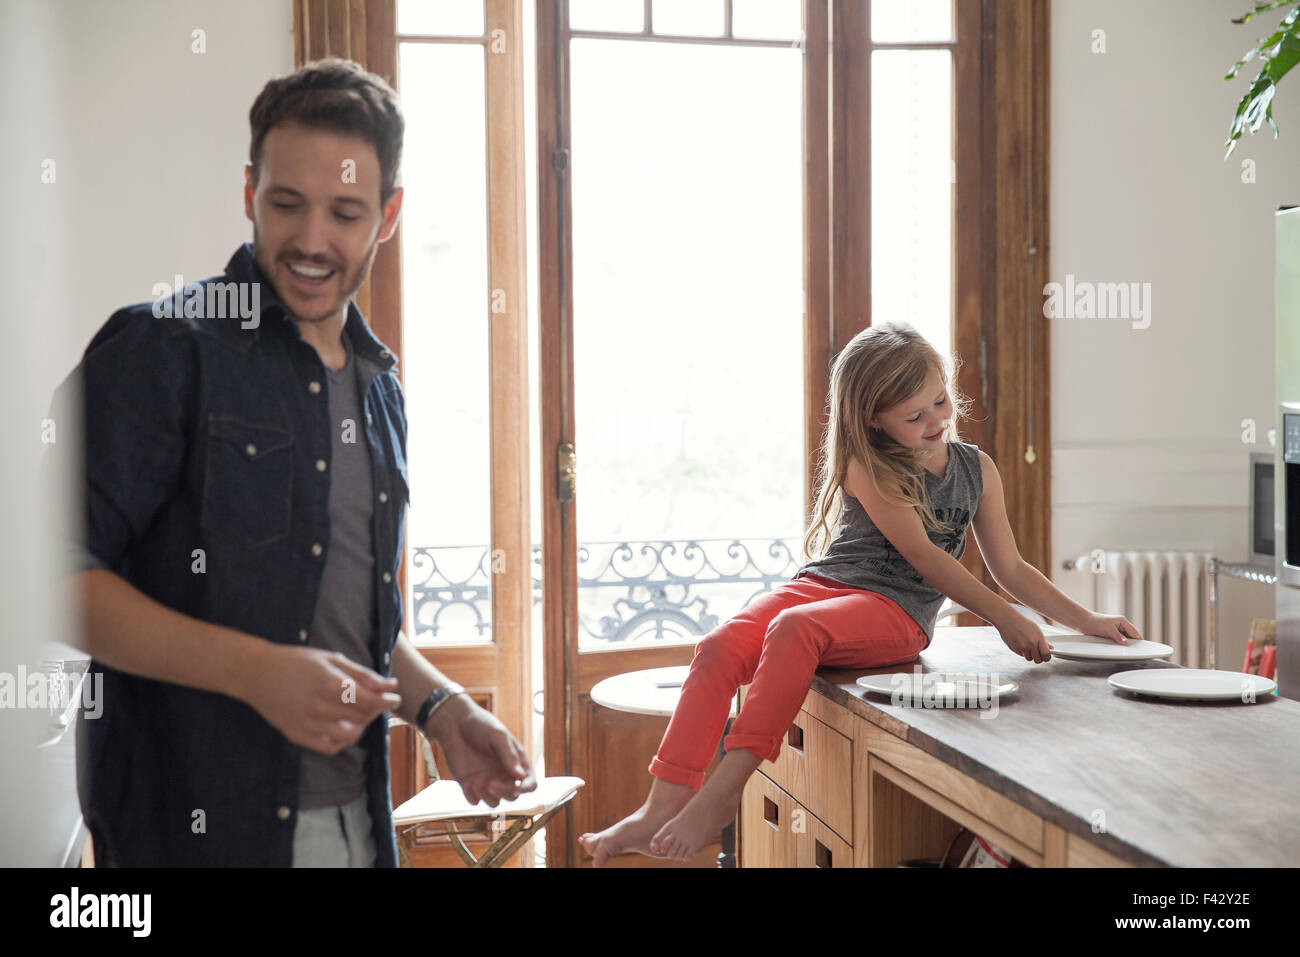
{"x":1067,"y":772}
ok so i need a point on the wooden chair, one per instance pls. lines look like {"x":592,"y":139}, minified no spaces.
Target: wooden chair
{"x":443,"y":802}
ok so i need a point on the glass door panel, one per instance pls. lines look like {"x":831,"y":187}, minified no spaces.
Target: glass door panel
{"x":445,"y":291}
{"x":912,"y":177}
{"x":688,"y":338}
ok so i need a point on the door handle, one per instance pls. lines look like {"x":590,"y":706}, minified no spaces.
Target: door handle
{"x":567,"y":468}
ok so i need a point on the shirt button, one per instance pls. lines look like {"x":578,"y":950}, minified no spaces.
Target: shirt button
{"x":387,"y":577}
{"x":302,"y":634}
{"x":383,"y":496}
{"x":387,"y":657}
{"x":383,"y":353}
{"x":283,"y":812}
{"x":317,"y":549}
{"x":313,"y":387}
{"x":250,"y":450}
{"x":320,"y":465}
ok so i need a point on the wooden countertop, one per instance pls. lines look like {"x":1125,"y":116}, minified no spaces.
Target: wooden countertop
{"x":1183,"y":784}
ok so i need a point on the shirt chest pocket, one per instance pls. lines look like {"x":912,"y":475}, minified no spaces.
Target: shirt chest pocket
{"x":248,"y":481}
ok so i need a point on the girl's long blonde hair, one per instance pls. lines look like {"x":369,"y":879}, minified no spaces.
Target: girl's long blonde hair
{"x":881,"y":367}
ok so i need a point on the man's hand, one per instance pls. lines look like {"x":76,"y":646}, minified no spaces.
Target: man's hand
{"x":320,"y":700}
{"x":482,"y":755}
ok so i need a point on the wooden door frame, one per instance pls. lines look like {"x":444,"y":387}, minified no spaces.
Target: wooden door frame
{"x":1014,"y":335}
{"x":555,"y":359}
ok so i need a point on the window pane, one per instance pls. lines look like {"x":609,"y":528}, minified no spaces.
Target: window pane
{"x":624,"y":16}
{"x":905,"y":21}
{"x":911,"y":190}
{"x":690,"y":18}
{"x":447,"y":18}
{"x":445,"y":314}
{"x":767,"y":19}
{"x":688,"y":341}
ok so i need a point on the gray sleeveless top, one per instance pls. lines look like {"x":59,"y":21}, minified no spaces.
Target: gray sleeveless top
{"x":861,"y":556}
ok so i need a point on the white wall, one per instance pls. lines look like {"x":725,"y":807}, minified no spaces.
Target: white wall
{"x":1147,"y":423}
{"x":149,"y":141}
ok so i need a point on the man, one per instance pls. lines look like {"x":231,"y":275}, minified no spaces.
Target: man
{"x":245,"y":484}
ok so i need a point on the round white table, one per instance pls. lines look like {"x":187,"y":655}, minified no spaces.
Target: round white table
{"x":654,"y":691}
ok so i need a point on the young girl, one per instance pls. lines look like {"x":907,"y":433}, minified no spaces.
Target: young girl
{"x":904,"y":489}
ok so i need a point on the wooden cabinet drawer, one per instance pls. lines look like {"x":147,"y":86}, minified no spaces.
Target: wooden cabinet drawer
{"x":815,"y":768}
{"x":816,"y":845}
{"x":777,"y":831}
{"x":767,"y":838}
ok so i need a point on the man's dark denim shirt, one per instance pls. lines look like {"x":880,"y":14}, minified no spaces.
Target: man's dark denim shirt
{"x":201,"y":434}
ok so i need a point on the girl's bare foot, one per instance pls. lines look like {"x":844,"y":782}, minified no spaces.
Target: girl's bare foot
{"x":696,"y":826}
{"x":699,"y":822}
{"x":633,"y":833}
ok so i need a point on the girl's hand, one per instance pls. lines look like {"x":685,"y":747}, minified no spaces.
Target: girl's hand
{"x":1024,"y":637}
{"x":1115,"y":627}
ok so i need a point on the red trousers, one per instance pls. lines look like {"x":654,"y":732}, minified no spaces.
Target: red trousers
{"x":775,"y":645}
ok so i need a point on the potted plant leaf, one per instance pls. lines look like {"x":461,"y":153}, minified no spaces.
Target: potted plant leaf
{"x":1278,"y":53}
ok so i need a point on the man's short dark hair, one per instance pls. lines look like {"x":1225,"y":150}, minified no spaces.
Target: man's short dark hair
{"x":337,"y":95}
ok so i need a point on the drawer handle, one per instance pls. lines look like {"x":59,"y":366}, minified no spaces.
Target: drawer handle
{"x":794,"y":737}
{"x":771,"y":813}
{"x":823,"y":855}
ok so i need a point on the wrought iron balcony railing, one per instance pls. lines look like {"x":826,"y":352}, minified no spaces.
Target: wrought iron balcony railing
{"x":651,"y":590}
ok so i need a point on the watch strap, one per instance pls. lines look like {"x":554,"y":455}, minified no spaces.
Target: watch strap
{"x":437,"y":697}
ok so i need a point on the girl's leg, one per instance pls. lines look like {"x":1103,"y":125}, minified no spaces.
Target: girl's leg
{"x":854,"y":628}
{"x":724,"y":660}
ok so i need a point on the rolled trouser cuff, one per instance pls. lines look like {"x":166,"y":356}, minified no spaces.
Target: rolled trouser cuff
{"x":674,"y":774}
{"x":764,"y":745}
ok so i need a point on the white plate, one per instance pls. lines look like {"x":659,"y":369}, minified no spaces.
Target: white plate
{"x":1078,"y":647}
{"x":939,"y":688}
{"x":1201,"y":684}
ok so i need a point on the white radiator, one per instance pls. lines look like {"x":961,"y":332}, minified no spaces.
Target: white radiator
{"x":1164,"y":593}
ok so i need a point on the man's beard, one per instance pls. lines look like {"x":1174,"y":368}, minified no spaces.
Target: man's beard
{"x":351,"y":282}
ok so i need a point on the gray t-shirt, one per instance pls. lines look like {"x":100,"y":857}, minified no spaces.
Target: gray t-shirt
{"x":860,"y":555}
{"x":344,"y":619}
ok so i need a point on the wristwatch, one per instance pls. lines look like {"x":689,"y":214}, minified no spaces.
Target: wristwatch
{"x":437,"y":698}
